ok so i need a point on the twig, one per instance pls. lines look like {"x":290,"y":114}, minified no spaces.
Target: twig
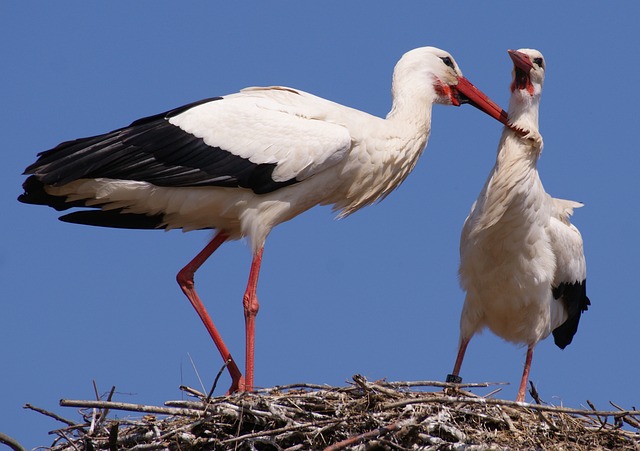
{"x":99,"y":417}
{"x":113,"y":437}
{"x":281,"y":430}
{"x":192,"y":391}
{"x":361,"y":382}
{"x":377,"y":386}
{"x":149,"y":446}
{"x":198,"y":406}
{"x":440,"y":384}
{"x":50,"y":414}
{"x":534,"y":393}
{"x":240,"y":420}
{"x":195,"y":369}
{"x":466,"y":393}
{"x":295,"y":447}
{"x":95,"y":389}
{"x":629,"y":419}
{"x":300,"y":385}
{"x":75,"y":427}
{"x":69,"y":440}
{"x":215,"y":381}
{"x":11,"y":442}
{"x":365,"y":436}
{"x":492,"y":392}
{"x":536,"y":397}
{"x":503,"y":402}
{"x":602,"y":423}
{"x":94,"y":411}
{"x":130,"y":407}
{"x":109,"y":398}
{"x":507,"y":420}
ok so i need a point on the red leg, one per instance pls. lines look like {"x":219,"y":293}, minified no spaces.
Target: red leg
{"x":455,"y":375}
{"x":185,"y":280}
{"x":251,"y":307}
{"x":525,"y":375}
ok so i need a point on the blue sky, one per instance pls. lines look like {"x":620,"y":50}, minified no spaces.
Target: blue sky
{"x":376,"y":293}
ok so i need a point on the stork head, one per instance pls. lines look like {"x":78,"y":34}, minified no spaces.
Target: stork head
{"x":526,"y":88}
{"x":431,"y":75}
{"x":528,"y":71}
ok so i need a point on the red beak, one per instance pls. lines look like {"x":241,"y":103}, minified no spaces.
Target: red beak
{"x":520,"y":60}
{"x":467,"y":93}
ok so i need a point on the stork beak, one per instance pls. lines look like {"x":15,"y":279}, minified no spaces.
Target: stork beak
{"x":467,"y":93}
{"x":521,"y":61}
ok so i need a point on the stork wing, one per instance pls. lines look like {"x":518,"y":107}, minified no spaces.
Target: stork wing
{"x":569,"y":284}
{"x":258,"y":139}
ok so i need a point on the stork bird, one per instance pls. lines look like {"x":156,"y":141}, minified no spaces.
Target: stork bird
{"x":246,"y":162}
{"x":522,"y":262}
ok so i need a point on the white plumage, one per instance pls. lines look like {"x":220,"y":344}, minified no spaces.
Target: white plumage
{"x":246,"y":162}
{"x":521,"y":261}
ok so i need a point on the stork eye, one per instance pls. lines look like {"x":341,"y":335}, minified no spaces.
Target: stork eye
{"x":447,"y":61}
{"x":539,"y":62}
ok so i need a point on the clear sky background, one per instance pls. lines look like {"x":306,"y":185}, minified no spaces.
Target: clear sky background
{"x":376,"y":293}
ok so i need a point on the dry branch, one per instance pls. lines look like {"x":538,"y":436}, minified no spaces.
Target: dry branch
{"x":50,"y":414}
{"x":364,"y":436}
{"x":10,"y":442}
{"x":128,"y":407}
{"x":504,"y":402}
{"x":408,"y":384}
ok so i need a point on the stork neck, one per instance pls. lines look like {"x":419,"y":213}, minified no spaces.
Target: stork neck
{"x":523,"y":110}
{"x":411,"y":110}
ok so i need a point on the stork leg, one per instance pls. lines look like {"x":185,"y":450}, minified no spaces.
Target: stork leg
{"x":251,"y":307}
{"x":185,"y":280}
{"x":455,"y":374}
{"x":525,"y":375}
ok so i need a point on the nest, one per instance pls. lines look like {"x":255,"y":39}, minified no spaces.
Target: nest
{"x":361,"y":416}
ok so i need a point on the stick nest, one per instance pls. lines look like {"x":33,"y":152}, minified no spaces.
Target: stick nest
{"x":361,"y":416}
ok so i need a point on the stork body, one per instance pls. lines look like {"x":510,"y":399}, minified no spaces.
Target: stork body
{"x":522,"y":262}
{"x":246,"y":162}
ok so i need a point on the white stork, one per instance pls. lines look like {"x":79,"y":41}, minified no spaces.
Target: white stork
{"x":246,"y":162}
{"x":522,"y":263}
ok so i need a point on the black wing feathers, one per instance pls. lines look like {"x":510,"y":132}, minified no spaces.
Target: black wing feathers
{"x":114,"y":219}
{"x":575,"y":300}
{"x":155,"y":151}
{"x":35,"y":194}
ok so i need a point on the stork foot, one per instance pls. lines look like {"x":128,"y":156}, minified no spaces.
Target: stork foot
{"x":237,"y":386}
